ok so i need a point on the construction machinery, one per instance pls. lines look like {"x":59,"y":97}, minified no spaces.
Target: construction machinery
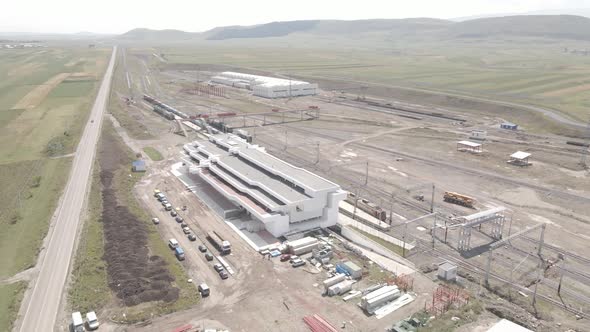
{"x":459,"y":199}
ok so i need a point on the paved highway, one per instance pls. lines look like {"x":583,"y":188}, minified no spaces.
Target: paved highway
{"x":41,"y":313}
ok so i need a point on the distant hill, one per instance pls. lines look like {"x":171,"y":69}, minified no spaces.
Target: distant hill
{"x":568,"y":11}
{"x":274,"y":29}
{"x":277,"y":29}
{"x":143,"y":34}
{"x":549,"y":26}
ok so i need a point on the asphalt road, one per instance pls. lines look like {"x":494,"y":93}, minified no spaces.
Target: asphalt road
{"x":41,"y":313}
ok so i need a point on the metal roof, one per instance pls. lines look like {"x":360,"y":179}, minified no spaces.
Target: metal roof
{"x":270,"y":179}
{"x":260,"y":80}
{"x":484,"y":213}
{"x":520,"y":155}
{"x":446,"y":266}
{"x":507,"y":326}
{"x":300,"y":175}
{"x":468,"y":143}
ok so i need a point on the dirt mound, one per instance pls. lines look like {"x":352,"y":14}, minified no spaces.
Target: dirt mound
{"x":134,"y":275}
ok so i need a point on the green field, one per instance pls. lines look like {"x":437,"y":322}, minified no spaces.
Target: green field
{"x":10,"y":297}
{"x":43,"y":106}
{"x":154,"y":154}
{"x":525,"y":71}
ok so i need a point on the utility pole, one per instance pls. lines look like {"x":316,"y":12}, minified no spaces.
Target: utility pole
{"x":586,"y":149}
{"x":317,"y":159}
{"x":285,"y":148}
{"x":432,"y":200}
{"x":356,"y":200}
{"x":391,"y":207}
{"x":367,"y":173}
{"x":561,"y":277}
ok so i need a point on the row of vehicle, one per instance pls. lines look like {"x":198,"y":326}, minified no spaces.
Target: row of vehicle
{"x":203,"y":288}
{"x":294,"y":260}
{"x":78,"y":324}
{"x":221,"y":244}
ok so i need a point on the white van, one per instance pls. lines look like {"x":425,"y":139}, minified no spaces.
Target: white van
{"x":173,"y":244}
{"x":168,"y":206}
{"x":77,"y":322}
{"x":204,"y":290}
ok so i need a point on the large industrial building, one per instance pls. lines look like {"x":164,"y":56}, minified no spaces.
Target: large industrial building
{"x":276,"y":195}
{"x":267,"y":87}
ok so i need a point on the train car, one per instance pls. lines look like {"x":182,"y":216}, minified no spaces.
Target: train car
{"x":347,"y":209}
{"x":367,"y":206}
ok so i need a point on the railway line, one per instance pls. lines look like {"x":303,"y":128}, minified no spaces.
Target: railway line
{"x":473,"y":268}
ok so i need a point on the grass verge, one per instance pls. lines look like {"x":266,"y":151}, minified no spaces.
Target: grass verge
{"x":10,"y":297}
{"x":393,"y":247}
{"x":89,"y":288}
{"x":154,"y":154}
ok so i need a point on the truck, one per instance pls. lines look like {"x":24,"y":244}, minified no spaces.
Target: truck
{"x":179,"y":253}
{"x":218,"y":242}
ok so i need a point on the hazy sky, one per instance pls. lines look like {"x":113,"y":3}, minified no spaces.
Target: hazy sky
{"x":117,"y":16}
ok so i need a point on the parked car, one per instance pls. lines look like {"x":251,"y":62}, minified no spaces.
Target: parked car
{"x":202,"y":248}
{"x":168,"y":206}
{"x":186,"y":230}
{"x":156,"y":220}
{"x":192,"y":237}
{"x":285,"y":257}
{"x":92,"y":320}
{"x":218,"y":267}
{"x":183,"y":225}
{"x":204,"y":290}
{"x":209,"y":256}
{"x":223,"y":274}
{"x":179,"y":253}
{"x":173,"y":213}
{"x":298,"y":262}
{"x":293,"y":258}
{"x":164,"y":202}
{"x":179,"y":219}
{"x":172,"y":243}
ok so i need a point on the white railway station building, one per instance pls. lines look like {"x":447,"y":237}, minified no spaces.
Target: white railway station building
{"x":276,"y":195}
{"x":267,"y":87}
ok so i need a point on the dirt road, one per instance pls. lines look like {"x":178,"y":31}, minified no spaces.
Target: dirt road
{"x":42,"y":306}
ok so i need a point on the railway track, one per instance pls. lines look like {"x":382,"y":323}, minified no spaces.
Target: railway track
{"x":437,"y":253}
{"x":461,"y":261}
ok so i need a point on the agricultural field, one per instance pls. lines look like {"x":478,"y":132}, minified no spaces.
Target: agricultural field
{"x":45,"y":99}
{"x":529,"y":71}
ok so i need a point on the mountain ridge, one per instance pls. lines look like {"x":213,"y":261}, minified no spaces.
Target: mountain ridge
{"x":549,"y":26}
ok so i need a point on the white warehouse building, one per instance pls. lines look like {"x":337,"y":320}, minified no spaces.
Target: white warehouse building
{"x":268,"y":87}
{"x":277,"y":196}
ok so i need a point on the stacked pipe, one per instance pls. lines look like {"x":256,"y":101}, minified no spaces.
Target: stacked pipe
{"x":317,"y":323}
